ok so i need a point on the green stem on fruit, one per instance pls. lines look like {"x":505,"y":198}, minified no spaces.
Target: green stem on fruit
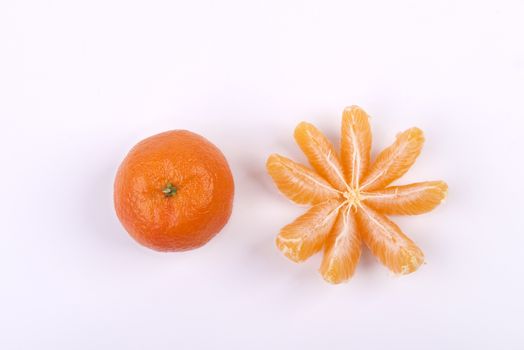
{"x":169,"y":190}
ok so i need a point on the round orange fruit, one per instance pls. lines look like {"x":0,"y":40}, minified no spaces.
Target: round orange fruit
{"x":174,"y":191}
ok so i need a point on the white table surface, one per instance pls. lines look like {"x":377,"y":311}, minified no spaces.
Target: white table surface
{"x":82,"y":81}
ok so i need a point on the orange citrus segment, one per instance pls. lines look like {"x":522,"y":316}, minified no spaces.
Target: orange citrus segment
{"x":321,"y":154}
{"x":385,"y":240}
{"x":298,"y":183}
{"x":351,"y":198}
{"x":394,"y":161}
{"x":355,"y":144}
{"x":342,"y":250}
{"x":411,"y":199}
{"x":305,"y":236}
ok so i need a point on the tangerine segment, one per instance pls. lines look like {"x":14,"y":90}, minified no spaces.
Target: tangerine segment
{"x":417,"y":198}
{"x":305,"y":236}
{"x":342,"y":249}
{"x":385,"y":240}
{"x":321,"y":154}
{"x":395,"y":160}
{"x":355,"y":144}
{"x":298,"y":183}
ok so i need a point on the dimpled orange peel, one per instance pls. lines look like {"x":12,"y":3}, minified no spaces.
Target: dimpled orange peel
{"x":174,"y":191}
{"x":350,"y":197}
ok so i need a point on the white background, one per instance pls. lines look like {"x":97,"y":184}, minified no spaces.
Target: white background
{"x":82,"y":81}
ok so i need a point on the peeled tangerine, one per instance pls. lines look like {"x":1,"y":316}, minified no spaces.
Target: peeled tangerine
{"x":350,"y":196}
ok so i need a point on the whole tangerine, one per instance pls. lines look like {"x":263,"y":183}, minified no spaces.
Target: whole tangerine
{"x":174,"y":191}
